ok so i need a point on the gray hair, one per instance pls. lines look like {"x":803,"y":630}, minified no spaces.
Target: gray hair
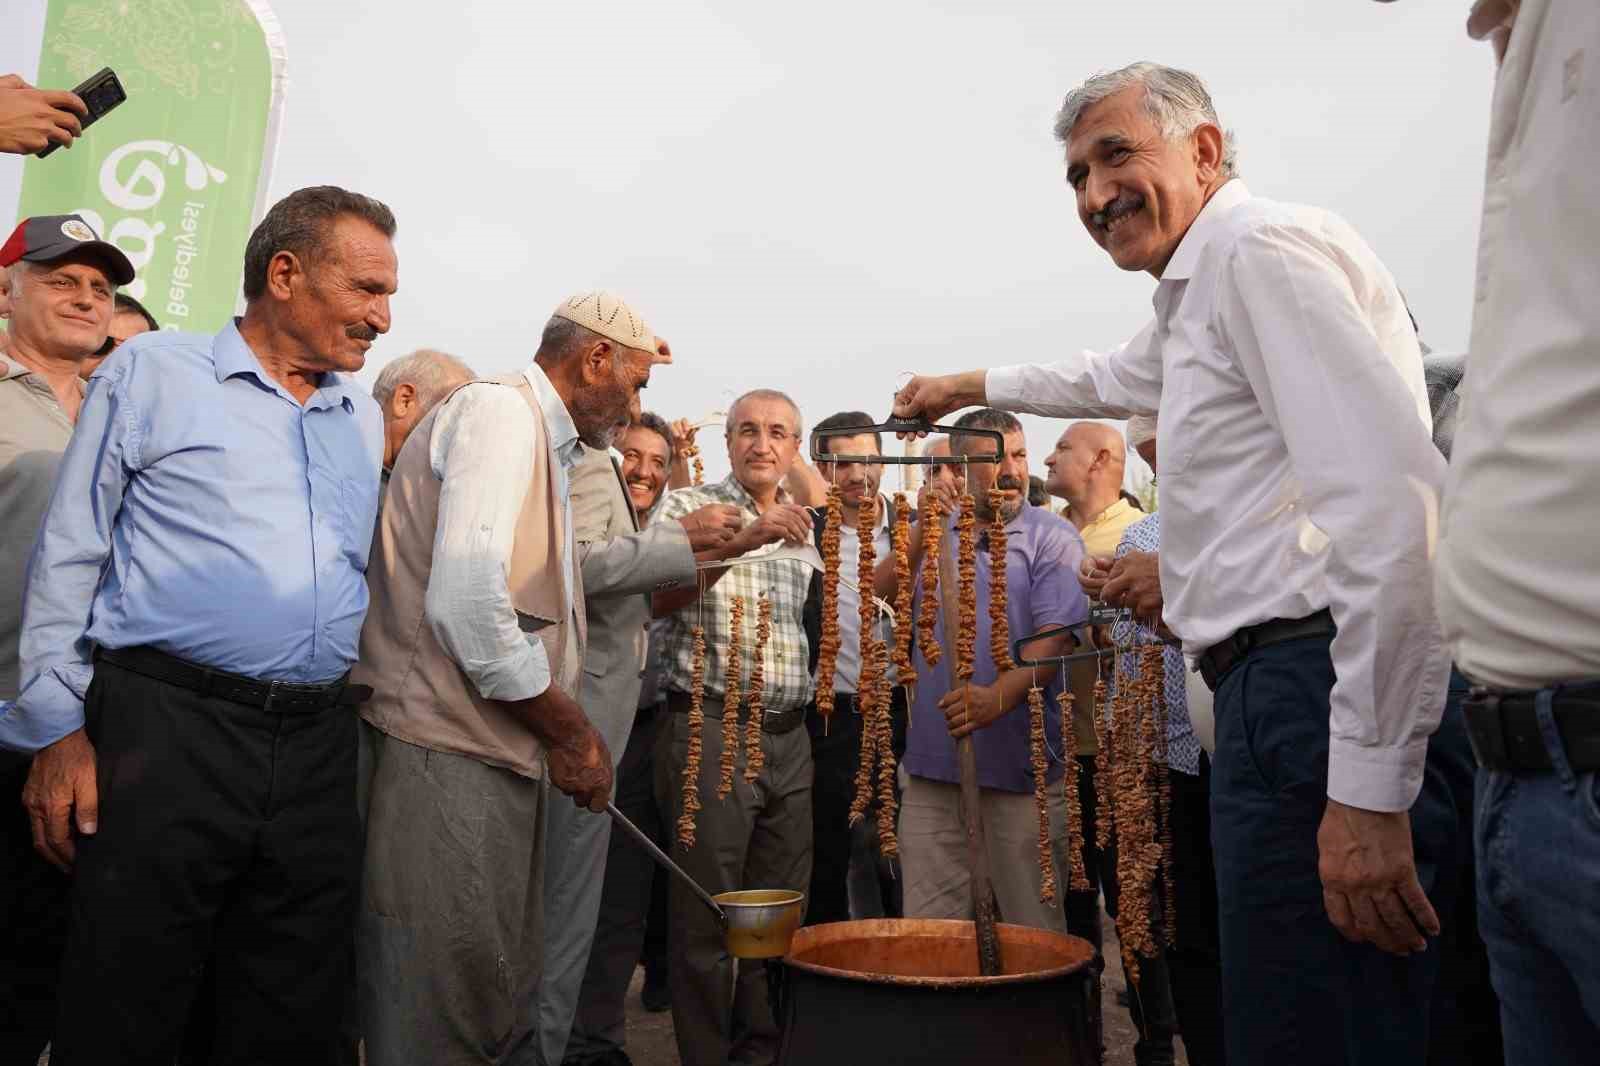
{"x":299,"y":224}
{"x":431,"y":373}
{"x":1176,"y":99}
{"x":764,"y":394}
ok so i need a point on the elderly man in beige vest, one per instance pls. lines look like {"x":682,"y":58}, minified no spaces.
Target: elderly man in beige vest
{"x":473,"y":645}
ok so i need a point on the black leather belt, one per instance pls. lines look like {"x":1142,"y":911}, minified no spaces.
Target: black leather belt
{"x":285,"y":697}
{"x":1218,"y":659}
{"x":1505,"y":734}
{"x":771,"y":721}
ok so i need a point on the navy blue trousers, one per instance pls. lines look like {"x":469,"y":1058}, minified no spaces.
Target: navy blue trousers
{"x":1294,"y":990}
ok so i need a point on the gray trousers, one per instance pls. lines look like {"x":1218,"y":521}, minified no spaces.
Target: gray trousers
{"x":933,"y":853}
{"x":450,"y":928}
{"x":575,"y":868}
{"x":759,"y":836}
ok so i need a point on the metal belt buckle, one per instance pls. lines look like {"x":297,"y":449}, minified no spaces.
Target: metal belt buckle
{"x":272,"y":694}
{"x":1486,"y":729}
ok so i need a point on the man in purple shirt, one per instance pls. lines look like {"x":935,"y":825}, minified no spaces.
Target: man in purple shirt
{"x":1043,"y":553}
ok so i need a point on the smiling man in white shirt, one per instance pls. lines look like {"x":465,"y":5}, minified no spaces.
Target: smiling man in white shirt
{"x":1299,"y":485}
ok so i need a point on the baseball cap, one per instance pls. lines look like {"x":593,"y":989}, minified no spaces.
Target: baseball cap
{"x":46,"y":238}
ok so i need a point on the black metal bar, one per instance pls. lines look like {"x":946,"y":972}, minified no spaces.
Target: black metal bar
{"x":907,"y":425}
{"x":1057,"y":660}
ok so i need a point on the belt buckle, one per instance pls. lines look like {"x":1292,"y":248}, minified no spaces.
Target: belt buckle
{"x":272,"y":694}
{"x":1486,"y":728}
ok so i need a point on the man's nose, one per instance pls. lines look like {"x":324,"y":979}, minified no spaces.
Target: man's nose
{"x":378,"y":316}
{"x":1098,"y":192}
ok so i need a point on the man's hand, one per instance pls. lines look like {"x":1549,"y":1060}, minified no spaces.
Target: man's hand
{"x":1135,"y":583}
{"x":579,"y":763}
{"x":934,"y":397}
{"x":1093,"y":575}
{"x":805,"y":484}
{"x":712,"y":526}
{"x":581,"y":768}
{"x":61,"y":790}
{"x":1369,"y":879}
{"x":683,"y":433}
{"x":33,"y":119}
{"x":970,"y":708}
{"x":787,"y":522}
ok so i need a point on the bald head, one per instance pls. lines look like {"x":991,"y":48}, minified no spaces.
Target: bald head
{"x":1085,"y":469}
{"x":408,"y":388}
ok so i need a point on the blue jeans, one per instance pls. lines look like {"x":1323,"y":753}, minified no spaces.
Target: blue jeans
{"x":1538,"y":841}
{"x":1294,"y":990}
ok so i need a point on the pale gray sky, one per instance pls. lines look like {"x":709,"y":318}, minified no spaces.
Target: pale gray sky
{"x":818,"y":197}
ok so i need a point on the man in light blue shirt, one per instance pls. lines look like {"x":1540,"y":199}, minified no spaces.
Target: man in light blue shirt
{"x":193,"y":606}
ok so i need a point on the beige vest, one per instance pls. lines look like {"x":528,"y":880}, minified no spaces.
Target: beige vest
{"x":419,"y":694}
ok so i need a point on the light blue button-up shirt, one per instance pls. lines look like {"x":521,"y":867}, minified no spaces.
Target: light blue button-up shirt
{"x":202,"y":511}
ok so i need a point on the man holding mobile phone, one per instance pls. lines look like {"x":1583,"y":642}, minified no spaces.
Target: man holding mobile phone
{"x":33,"y":119}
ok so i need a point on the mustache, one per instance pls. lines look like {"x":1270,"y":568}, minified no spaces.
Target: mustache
{"x":1121,"y":207}
{"x":1007,"y":482}
{"x":362,"y":332}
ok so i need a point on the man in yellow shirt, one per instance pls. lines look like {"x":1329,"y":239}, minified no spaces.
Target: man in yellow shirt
{"x":1086,"y":471}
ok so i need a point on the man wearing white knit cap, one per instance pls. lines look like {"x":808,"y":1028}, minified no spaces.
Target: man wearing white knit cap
{"x":473,"y":645}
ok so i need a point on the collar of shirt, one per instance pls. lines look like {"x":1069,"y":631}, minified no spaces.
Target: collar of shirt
{"x":1181,"y":266}
{"x":232,"y":356}
{"x":563,"y":430}
{"x":12,"y":369}
{"x":1111,"y":514}
{"x":733,"y":487}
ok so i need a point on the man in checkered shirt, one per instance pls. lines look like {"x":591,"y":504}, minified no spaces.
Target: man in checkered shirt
{"x":760,"y":835}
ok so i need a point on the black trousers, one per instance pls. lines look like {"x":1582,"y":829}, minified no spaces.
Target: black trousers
{"x":835,"y":754}
{"x":1194,"y":961}
{"x":1293,"y":988}
{"x":226,"y":833}
{"x":33,"y":926}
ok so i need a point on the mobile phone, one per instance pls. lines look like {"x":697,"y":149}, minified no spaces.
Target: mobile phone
{"x":99,"y":94}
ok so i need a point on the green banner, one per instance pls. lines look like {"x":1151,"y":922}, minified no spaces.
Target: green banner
{"x":176,"y":176}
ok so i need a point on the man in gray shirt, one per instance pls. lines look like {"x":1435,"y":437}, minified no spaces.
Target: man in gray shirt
{"x":57,"y":279}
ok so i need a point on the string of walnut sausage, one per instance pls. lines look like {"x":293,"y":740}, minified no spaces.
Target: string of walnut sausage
{"x":754,"y":758}
{"x":1041,"y":766}
{"x":999,"y":625}
{"x":732,"y":696}
{"x":696,"y":724}
{"x":828,"y":646}
{"x":932,"y":522}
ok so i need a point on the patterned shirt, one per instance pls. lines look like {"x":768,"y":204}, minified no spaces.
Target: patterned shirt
{"x":786,"y":583}
{"x":1183,"y":750}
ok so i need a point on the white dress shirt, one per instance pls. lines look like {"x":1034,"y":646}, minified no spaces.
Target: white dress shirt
{"x":482,"y":453}
{"x":1518,"y":576}
{"x":847,"y":666}
{"x":1297,"y":471}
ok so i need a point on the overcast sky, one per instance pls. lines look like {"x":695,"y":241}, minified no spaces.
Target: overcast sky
{"x":820,"y":197}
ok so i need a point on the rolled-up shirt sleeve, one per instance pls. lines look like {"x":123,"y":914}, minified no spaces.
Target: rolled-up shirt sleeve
{"x":482,"y":452}
{"x":1124,"y":381}
{"x":64,"y":571}
{"x":1370,"y":479}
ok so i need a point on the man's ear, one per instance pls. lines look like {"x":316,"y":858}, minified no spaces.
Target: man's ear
{"x":285,"y":271}
{"x":404,"y":399}
{"x":1208,"y":149}
{"x":597,"y":362}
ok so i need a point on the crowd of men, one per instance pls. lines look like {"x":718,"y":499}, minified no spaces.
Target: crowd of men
{"x":290,"y":675}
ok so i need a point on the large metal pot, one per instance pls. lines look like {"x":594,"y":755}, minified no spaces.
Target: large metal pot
{"x":908,"y":991}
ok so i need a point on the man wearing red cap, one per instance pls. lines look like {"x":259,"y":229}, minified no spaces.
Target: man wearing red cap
{"x":57,"y":280}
